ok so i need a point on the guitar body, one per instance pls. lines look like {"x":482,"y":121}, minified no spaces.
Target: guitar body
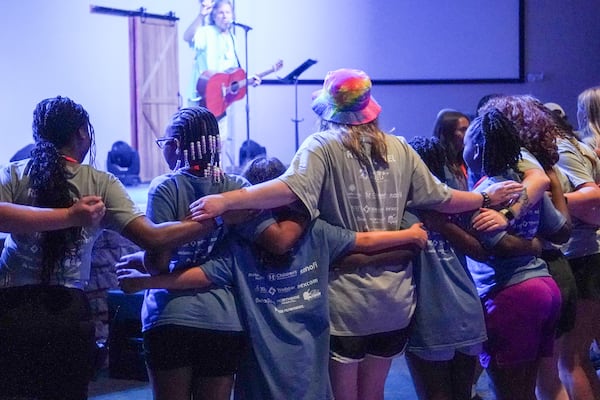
{"x":219,"y":89}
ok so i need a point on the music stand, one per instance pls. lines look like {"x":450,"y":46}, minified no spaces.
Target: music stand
{"x":292,"y":77}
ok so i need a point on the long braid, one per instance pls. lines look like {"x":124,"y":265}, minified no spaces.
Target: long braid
{"x":55,"y":121}
{"x":502,"y":150}
{"x":199,"y":140}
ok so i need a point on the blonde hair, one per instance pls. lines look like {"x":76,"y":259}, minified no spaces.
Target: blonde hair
{"x":588,"y":116}
{"x":353,"y":138}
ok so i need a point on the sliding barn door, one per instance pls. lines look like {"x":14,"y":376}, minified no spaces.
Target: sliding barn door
{"x":154,"y":87}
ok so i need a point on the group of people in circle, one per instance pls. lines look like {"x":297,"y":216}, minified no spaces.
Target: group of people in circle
{"x":474,"y":247}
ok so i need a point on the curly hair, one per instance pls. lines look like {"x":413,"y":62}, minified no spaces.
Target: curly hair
{"x":536,"y":128}
{"x":199,"y":142}
{"x":55,"y":122}
{"x":499,"y":141}
{"x":353,"y":138}
{"x":432,"y":153}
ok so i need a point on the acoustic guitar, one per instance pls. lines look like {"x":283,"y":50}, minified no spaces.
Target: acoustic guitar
{"x":219,"y":89}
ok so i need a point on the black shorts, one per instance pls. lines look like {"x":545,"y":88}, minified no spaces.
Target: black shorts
{"x":587,"y":276}
{"x":210,"y":353}
{"x":561,"y":271}
{"x":347,"y":349}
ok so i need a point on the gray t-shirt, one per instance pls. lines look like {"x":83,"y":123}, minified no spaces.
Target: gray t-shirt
{"x":21,"y":257}
{"x":332,"y":184}
{"x":580,"y":165}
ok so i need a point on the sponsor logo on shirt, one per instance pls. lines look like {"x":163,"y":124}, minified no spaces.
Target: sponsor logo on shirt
{"x":281,"y":275}
{"x":313,"y":281}
{"x":255,"y":276}
{"x":308,"y":268}
{"x":311,"y":294}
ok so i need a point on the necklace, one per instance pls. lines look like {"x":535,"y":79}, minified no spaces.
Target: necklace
{"x":70,"y":159}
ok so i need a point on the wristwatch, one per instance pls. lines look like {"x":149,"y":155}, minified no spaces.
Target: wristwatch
{"x":508,"y":214}
{"x":219,"y":221}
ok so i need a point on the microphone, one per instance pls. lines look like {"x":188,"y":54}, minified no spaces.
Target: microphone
{"x":244,"y":27}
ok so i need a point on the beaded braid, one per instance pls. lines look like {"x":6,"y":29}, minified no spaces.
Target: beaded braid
{"x":199,"y":141}
{"x":55,"y":121}
{"x":502,"y":149}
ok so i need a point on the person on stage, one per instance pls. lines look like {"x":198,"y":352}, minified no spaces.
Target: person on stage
{"x":212,"y":39}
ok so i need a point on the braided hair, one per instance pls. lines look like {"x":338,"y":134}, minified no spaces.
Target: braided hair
{"x":55,"y":122}
{"x":499,"y":140}
{"x":197,"y":132}
{"x":432,"y":153}
{"x":536,"y":128}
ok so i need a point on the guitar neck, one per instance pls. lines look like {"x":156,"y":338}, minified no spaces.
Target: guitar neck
{"x":244,"y":82}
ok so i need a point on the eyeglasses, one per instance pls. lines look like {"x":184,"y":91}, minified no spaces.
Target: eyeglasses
{"x":162,"y":142}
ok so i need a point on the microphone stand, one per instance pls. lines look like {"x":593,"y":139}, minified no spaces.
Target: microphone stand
{"x":293,"y":77}
{"x":246,"y":29}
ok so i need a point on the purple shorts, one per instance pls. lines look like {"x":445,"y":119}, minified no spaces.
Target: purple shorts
{"x":521,"y":322}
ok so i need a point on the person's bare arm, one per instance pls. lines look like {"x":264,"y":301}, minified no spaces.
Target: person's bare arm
{"x":266,"y":195}
{"x":383,"y":248}
{"x":159,"y":239}
{"x":535,"y":183}
{"x":560,"y":203}
{"x":499,"y":193}
{"x":401,"y":255}
{"x":468,"y":244}
{"x":367,"y":242}
{"x":200,"y":20}
{"x":132,"y":280}
{"x":15,"y":218}
{"x":166,"y":235}
{"x":584,"y":203}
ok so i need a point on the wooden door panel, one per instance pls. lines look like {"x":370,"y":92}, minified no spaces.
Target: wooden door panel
{"x":154,"y":88}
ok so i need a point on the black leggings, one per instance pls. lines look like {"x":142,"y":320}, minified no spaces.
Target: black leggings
{"x":46,"y":342}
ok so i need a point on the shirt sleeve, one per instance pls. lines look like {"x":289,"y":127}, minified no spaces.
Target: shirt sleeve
{"x":162,"y":202}
{"x":426,"y":190}
{"x":199,"y":39}
{"x":120,"y":208}
{"x":5,"y":185}
{"x":573,"y":165}
{"x":306,"y":174}
{"x":551,"y":220}
{"x":528,"y":161}
{"x":219,"y":267}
